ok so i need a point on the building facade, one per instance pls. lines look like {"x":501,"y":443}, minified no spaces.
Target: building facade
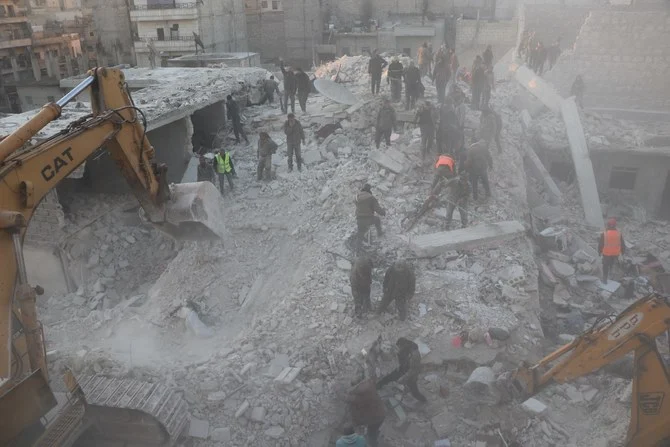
{"x":174,"y":28}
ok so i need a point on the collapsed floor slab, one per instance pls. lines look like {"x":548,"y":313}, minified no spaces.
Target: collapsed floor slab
{"x":539,"y":88}
{"x":434,"y":244}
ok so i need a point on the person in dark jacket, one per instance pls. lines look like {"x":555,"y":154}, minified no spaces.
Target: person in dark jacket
{"x":478,"y":83}
{"x":425,"y":118}
{"x":487,"y":56}
{"x":441,"y":74}
{"x":386,"y":121}
{"x":413,"y":86}
{"x":408,"y":370}
{"x":367,"y":408}
{"x":449,"y":134}
{"x":477,"y":162}
{"x":360,"y":279}
{"x":394,"y":77}
{"x":367,"y":213}
{"x":375,"y":69}
{"x":290,"y":88}
{"x":577,"y":90}
{"x":399,"y":286}
{"x":266,"y":147}
{"x":270,"y":87}
{"x":304,"y":86}
{"x":233,"y":113}
{"x":294,"y":136}
{"x":205,"y":170}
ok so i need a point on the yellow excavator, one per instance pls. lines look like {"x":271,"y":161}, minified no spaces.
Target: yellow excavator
{"x":95,"y":410}
{"x":611,"y":338}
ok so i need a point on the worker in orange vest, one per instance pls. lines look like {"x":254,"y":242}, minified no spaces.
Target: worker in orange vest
{"x":444,"y":166}
{"x":610,"y":246}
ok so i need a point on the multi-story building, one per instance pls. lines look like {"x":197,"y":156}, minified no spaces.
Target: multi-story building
{"x":173,"y":28}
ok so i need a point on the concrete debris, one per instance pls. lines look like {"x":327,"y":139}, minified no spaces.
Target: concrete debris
{"x":343,"y":264}
{"x":534,"y":407}
{"x":258,"y":414}
{"x":390,"y":159}
{"x":561,"y":269}
{"x":288,"y":375}
{"x":198,"y":428}
{"x":539,"y":88}
{"x":242,"y":409}
{"x":221,"y":435}
{"x":275,"y":432}
{"x":480,"y":385}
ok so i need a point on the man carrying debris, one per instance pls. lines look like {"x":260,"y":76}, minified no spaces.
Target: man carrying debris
{"x":294,"y":136}
{"x":234,"y":116}
{"x":367,"y":408}
{"x":304,"y":86}
{"x":375,"y":69}
{"x":360,"y":279}
{"x":366,"y":207}
{"x":224,"y":169}
{"x":399,"y":286}
{"x":350,"y":438}
{"x":477,"y":162}
{"x":408,"y":370}
{"x":205,"y":171}
{"x":266,"y":147}
{"x":394,"y":77}
{"x":386,"y":121}
{"x":425,"y":118}
{"x":289,"y":87}
{"x":413,"y":85}
{"x":611,"y":245}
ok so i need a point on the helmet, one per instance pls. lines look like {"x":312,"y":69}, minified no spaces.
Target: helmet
{"x":611,"y":222}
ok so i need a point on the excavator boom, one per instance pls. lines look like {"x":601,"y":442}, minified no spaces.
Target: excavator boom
{"x":191,"y":211}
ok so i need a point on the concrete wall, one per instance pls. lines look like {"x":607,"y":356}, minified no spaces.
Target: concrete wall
{"x":266,"y":34}
{"x":223,"y":25}
{"x":111,"y":20}
{"x":623,"y":56}
{"x":34,"y":97}
{"x":552,"y":21}
{"x":46,"y":225}
{"x":473,"y":36}
{"x":650,"y":180}
{"x":302,"y":28}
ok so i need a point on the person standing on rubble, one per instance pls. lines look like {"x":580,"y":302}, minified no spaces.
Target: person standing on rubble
{"x":577,"y":90}
{"x":394,"y":77}
{"x":413,"y":85}
{"x":233,"y":113}
{"x":424,"y":59}
{"x":540,"y":58}
{"x":425,"y":118}
{"x":441,"y":74}
{"x":399,"y":286}
{"x":487,"y":125}
{"x":289,"y":87}
{"x":375,"y":69}
{"x":477,"y":162}
{"x":294,"y":136}
{"x":553,"y":52}
{"x":444,"y":170}
{"x":408,"y":370}
{"x":304,"y":86}
{"x":478,"y":82}
{"x":610,"y":246}
{"x":386,"y":121}
{"x":453,"y":63}
{"x":488,"y":86}
{"x":367,"y":213}
{"x":224,"y":169}
{"x":456,"y":192}
{"x":360,"y":279}
{"x":205,"y":170}
{"x":487,"y":56}
{"x":270,"y":86}
{"x":448,"y":135}
{"x":266,"y":147}
{"x":367,"y":408}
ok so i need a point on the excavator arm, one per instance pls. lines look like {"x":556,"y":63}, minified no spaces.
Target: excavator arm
{"x":633,"y":330}
{"x":29,"y":172}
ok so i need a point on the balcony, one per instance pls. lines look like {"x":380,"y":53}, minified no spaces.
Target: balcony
{"x":15,"y":41}
{"x":163,"y":12}
{"x":19,"y":17}
{"x":179,"y":44}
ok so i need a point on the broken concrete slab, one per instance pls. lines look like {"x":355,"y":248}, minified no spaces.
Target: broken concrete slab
{"x":288,"y":375}
{"x":538,"y":171}
{"x":405,"y":116}
{"x":390,"y":159}
{"x":534,"y":407}
{"x":582,"y":162}
{"x":198,"y":428}
{"x":428,"y":245}
{"x":312,"y":157}
{"x":505,"y":67}
{"x":445,"y":423}
{"x":444,"y":352}
{"x":525,"y":101}
{"x":561,"y":269}
{"x":540,"y":88}
{"x":480,"y":385}
{"x":551,"y":215}
{"x":610,"y":286}
{"x":222,"y":435}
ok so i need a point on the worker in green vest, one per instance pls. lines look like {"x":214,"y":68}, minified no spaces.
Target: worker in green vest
{"x":223,"y":165}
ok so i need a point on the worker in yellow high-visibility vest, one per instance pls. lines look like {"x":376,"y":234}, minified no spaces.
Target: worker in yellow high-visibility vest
{"x":223,"y":165}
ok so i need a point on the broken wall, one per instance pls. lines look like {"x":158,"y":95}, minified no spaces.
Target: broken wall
{"x":303,"y":23}
{"x":552,"y":21}
{"x":47,"y":221}
{"x":623,"y":56}
{"x":266,"y":34}
{"x":114,"y":31}
{"x":223,"y":25}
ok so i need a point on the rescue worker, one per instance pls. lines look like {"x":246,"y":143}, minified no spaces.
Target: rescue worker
{"x":375,"y":69}
{"x":360,"y":279}
{"x":487,"y":56}
{"x":270,"y":86}
{"x":290,"y":87}
{"x":610,"y":246}
{"x":350,"y":438}
{"x":425,"y":118}
{"x":456,"y":191}
{"x":461,"y":116}
{"x":367,"y":408}
{"x":386,"y":121}
{"x":205,"y":171}
{"x":477,"y":162}
{"x":367,"y":213}
{"x":488,"y":86}
{"x":399,"y":286}
{"x":266,"y":147}
{"x":233,"y":113}
{"x":225,"y":169}
{"x":441,"y":74}
{"x":413,"y":85}
{"x":453,"y":62}
{"x":423,"y":58}
{"x":540,"y":58}
{"x":553,"y":52}
{"x":304,"y":86}
{"x":577,"y":90}
{"x":408,"y":370}
{"x":394,"y":77}
{"x":449,"y":135}
{"x":478,"y":83}
{"x":487,"y":125}
{"x":444,"y":170}
{"x":294,"y":136}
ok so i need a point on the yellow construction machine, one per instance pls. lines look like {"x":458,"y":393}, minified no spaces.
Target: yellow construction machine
{"x":611,"y":338}
{"x":98,"y":410}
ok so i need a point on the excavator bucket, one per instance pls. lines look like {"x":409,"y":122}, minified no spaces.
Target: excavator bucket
{"x":194,"y":212}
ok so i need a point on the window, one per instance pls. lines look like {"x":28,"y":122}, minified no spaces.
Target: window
{"x":174,"y":32}
{"x":161,"y":33}
{"x":51,"y":99}
{"x":29,"y":100}
{"x":275,"y":5}
{"x":264,"y":4}
{"x":92,"y":34}
{"x":623,"y":178}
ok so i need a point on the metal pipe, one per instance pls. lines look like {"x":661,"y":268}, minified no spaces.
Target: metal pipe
{"x":20,"y":260}
{"x":69,"y":96}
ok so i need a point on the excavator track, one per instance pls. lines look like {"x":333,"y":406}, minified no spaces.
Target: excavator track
{"x":119,"y":410}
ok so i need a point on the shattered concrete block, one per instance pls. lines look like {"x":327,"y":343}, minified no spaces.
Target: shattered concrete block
{"x":611,"y":286}
{"x":534,"y":407}
{"x":312,"y":157}
{"x":243,"y":409}
{"x":258,"y":414}
{"x":288,"y":375}
{"x":198,"y":428}
{"x":343,"y":264}
{"x":582,"y":256}
{"x":397,"y":409}
{"x":445,"y":423}
{"x":480,"y":386}
{"x":561,"y":269}
{"x":429,"y":245}
{"x":390,"y":159}
{"x":221,"y":435}
{"x":275,"y":432}
{"x":558,"y":256}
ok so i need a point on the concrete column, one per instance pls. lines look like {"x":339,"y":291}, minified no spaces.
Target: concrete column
{"x":15,"y":69}
{"x":49,"y":63}
{"x":84,"y":61}
{"x":56,"y":67}
{"x":68,"y":65}
{"x":35,"y":62}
